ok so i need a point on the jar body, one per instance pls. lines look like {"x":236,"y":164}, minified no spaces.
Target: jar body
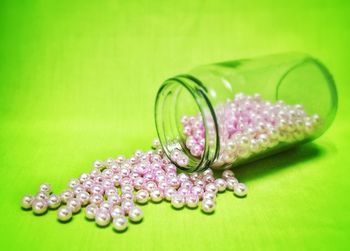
{"x":243,"y":110}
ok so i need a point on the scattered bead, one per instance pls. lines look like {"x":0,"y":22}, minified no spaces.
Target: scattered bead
{"x":39,"y":206}
{"x":240,"y":190}
{"x":135,"y":214}
{"x":26,"y":202}
{"x":102,"y":218}
{"x":208,"y":206}
{"x":90,"y":211}
{"x":120,"y":223}
{"x":54,"y":201}
{"x":64,"y":214}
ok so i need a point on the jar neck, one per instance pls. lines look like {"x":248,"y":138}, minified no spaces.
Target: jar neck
{"x":175,"y":99}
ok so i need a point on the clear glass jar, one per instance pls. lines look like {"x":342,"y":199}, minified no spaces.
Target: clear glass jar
{"x":290,"y":84}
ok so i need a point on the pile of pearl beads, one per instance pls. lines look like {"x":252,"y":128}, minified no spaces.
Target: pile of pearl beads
{"x":111,"y":191}
{"x":247,"y":125}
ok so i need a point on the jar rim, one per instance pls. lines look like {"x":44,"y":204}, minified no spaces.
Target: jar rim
{"x":167,"y":94}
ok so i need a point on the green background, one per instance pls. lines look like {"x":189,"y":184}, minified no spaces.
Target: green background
{"x":78,"y":81}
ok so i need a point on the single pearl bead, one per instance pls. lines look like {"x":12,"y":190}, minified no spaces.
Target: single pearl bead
{"x":79,"y":189}
{"x":39,"y":206}
{"x":45,"y":188}
{"x":26,"y":202}
{"x":102,"y":218}
{"x":84,"y":177}
{"x":169,"y":193}
{"x":240,"y":190}
{"x":66,"y":195}
{"x":96,"y":189}
{"x":117,"y":211}
{"x":150,"y":186}
{"x":74,"y":205}
{"x":42,"y":195}
{"x":111,"y":191}
{"x":127,"y":196}
{"x":208,"y":171}
{"x":208,"y":206}
{"x":98,"y":164}
{"x":127,"y":188}
{"x":114,"y":199}
{"x":231,"y":182}
{"x":178,"y":201}
{"x":227,"y":174}
{"x":73,"y":183}
{"x":135,"y":214}
{"x":83,"y":197}
{"x":209,"y":195}
{"x":220,"y":184}
{"x":90,"y":211}
{"x":197,"y":190}
{"x":109,"y":162}
{"x":142,"y":196}
{"x":120,"y":223}
{"x":64,"y":214}
{"x":208,"y":178}
{"x":96,"y":199}
{"x":127,"y":205}
{"x":211,"y":187}
{"x":156,"y":195}
{"x":192,"y":200}
{"x":54,"y":201}
{"x":106,"y":205}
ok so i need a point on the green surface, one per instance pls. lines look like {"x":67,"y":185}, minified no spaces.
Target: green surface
{"x":78,"y":81}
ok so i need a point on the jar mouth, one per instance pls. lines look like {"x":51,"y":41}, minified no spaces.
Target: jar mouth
{"x":181,"y":96}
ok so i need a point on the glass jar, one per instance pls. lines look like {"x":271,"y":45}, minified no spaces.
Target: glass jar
{"x":226,"y":114}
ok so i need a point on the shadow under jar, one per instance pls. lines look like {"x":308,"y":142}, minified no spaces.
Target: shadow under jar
{"x":226,"y":114}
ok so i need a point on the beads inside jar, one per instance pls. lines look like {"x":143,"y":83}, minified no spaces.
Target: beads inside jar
{"x":248,"y":126}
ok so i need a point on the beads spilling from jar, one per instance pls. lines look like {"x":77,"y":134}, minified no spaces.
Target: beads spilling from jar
{"x":115,"y":188}
{"x":247,"y":126}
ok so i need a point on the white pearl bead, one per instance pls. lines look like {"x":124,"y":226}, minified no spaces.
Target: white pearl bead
{"x":73,"y":183}
{"x":90,"y":211}
{"x":74,"y":205}
{"x":127,"y":205}
{"x":83,"y":197}
{"x":26,"y":202}
{"x":135,"y":214}
{"x":39,"y":206}
{"x":169,"y":193}
{"x":227,"y":174}
{"x":98,"y":164}
{"x":192,"y":200}
{"x":96,"y":199}
{"x":42,"y":195}
{"x":142,"y":196}
{"x":220,"y":184}
{"x":114,"y":199}
{"x":64,"y":214}
{"x":231,"y":182}
{"x":209,"y":195}
{"x":117,"y":211}
{"x":156,"y":195}
{"x":106,"y":205}
{"x":66,"y":195}
{"x":102,"y":218}
{"x":84,"y":177}
{"x":120,"y":223}
{"x":240,"y":190}
{"x":208,"y":206}
{"x":178,"y":201}
{"x":211,"y":187}
{"x":54,"y":201}
{"x":45,"y":188}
